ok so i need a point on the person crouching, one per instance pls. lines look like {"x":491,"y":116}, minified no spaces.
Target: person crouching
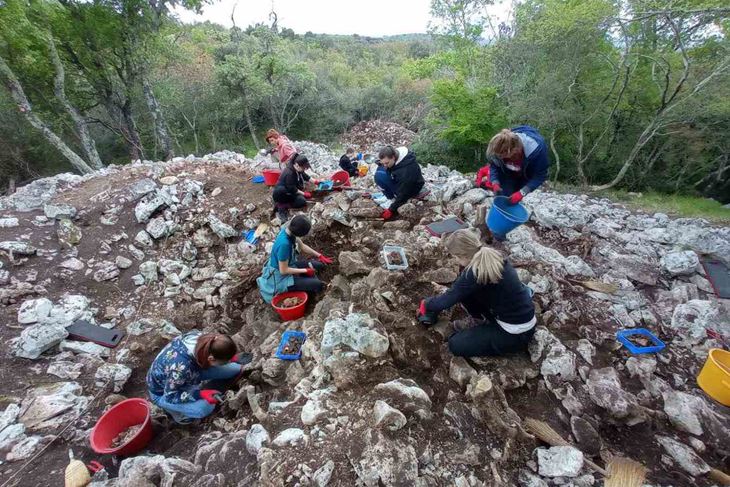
{"x":289,"y":190}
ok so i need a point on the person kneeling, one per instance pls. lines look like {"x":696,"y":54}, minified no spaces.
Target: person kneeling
{"x":284,"y":271}
{"x":501,"y":312}
{"x":289,"y":190}
{"x":177,"y":376}
{"x":399,"y":176}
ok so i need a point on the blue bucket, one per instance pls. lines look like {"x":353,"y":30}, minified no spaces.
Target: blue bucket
{"x":503,"y":217}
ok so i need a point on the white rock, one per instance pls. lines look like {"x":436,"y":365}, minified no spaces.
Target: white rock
{"x":65,"y":369}
{"x":529,"y":479}
{"x":559,"y":363}
{"x":38,"y":338}
{"x":683,"y":411}
{"x":117,"y":374}
{"x":586,"y":350}
{"x":388,"y":417}
{"x":322,"y":476}
{"x":684,"y":456}
{"x":51,"y":405}
{"x":291,"y":437}
{"x":148,"y":270}
{"x":256,"y":438}
{"x":84,"y":347}
{"x":73,"y":264}
{"x":460,"y":371}
{"x":24,"y":449}
{"x":605,"y":390}
{"x":59,"y":211}
{"x":680,"y":263}
{"x":223,"y":230}
{"x":313,"y":411}
{"x":122,"y":262}
{"x":18,"y":248}
{"x":692,"y":319}
{"x":405,"y":394}
{"x":559,"y":461}
{"x":106,"y":271}
{"x":8,"y":222}
{"x":11,"y":435}
{"x":148,"y":205}
{"x":357,"y":331}
{"x":34,"y":311}
{"x":9,"y":416}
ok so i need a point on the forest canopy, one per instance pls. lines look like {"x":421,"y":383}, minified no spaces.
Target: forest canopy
{"x":629,"y":94}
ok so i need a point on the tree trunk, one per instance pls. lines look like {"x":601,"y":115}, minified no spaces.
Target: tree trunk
{"x":16,"y":91}
{"x":163,"y":136}
{"x":82,"y":128}
{"x":643,"y":139}
{"x":556,"y":155}
{"x":251,"y":128}
{"x":129,"y":131}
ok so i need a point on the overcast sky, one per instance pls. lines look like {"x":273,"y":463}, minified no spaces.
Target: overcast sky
{"x":365,"y":17}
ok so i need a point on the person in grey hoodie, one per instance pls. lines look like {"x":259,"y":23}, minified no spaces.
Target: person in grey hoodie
{"x":399,"y":176}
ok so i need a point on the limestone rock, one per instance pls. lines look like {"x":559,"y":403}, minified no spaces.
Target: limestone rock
{"x":353,"y":263}
{"x":117,"y":374}
{"x":680,"y":263}
{"x":559,"y":461}
{"x":693,"y":318}
{"x":122,"y":262}
{"x":68,"y":233}
{"x":59,"y":211}
{"x":388,"y":417}
{"x":106,"y":271}
{"x":684,"y":456}
{"x":223,"y":230}
{"x":34,"y":311}
{"x":38,"y":338}
{"x":357,"y":331}
{"x":291,"y":437}
{"x":460,"y":371}
{"x":148,"y":205}
{"x":323,"y":474}
{"x":51,"y":405}
{"x":256,"y":438}
{"x":405,"y":394}
{"x":18,"y":248}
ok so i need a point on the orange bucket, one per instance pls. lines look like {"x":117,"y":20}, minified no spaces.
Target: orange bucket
{"x":714,"y":378}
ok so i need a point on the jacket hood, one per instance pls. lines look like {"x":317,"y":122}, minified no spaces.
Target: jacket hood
{"x":402,"y":153}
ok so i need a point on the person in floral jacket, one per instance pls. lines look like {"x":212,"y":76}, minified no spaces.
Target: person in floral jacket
{"x":177,"y":376}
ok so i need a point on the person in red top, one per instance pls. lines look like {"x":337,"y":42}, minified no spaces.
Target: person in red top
{"x":283,"y":147}
{"x":481,"y":175}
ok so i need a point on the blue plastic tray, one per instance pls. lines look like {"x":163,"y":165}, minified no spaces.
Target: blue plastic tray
{"x":623,"y":337}
{"x":257,"y":179}
{"x":325,"y":185}
{"x":284,"y":339}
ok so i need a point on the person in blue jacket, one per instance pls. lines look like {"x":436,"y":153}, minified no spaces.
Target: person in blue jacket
{"x":518,"y":162}
{"x":284,"y":271}
{"x":501,"y":312}
{"x":177,"y":377}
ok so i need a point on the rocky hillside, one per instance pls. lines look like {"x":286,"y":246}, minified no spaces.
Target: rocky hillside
{"x":154,"y":249}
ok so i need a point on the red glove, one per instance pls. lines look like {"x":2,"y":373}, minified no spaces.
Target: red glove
{"x":496,"y":188}
{"x":516,"y":197}
{"x":310,"y":272}
{"x":211,"y":396}
{"x":422,"y":308}
{"x":316,"y":182}
{"x":324,"y":259}
{"x":387,"y":215}
{"x":307,"y":195}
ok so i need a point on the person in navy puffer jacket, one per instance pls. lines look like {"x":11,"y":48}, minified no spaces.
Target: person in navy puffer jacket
{"x":518,"y":162}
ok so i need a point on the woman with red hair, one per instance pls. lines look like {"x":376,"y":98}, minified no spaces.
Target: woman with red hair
{"x":283,"y":147}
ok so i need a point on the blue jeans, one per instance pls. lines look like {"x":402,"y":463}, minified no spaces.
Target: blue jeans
{"x":386,"y":183}
{"x":185,"y":411}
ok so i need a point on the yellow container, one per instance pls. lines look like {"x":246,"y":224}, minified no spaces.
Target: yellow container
{"x":714,"y":377}
{"x":363,"y":170}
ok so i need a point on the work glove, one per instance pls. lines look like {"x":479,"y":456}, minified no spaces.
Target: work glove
{"x":211,"y":396}
{"x":387,"y":215}
{"x":496,"y":188}
{"x":310,"y":272}
{"x":324,"y":259}
{"x":316,"y":182}
{"x":516,"y":197}
{"x":423,"y":316}
{"x":307,"y":195}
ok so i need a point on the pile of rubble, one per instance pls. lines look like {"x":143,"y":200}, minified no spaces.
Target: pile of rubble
{"x":155,"y":249}
{"x":371,"y":135}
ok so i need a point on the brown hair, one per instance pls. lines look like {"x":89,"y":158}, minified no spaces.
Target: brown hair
{"x":504,"y":145}
{"x":350,"y":150}
{"x":271,"y":133}
{"x":221,"y":347}
{"x":389,"y":152}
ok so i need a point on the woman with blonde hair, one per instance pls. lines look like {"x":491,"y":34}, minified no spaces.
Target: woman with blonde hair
{"x":518,"y":162}
{"x":501,"y":312}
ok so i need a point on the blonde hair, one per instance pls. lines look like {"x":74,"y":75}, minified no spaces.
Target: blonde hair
{"x":504,"y":144}
{"x":485,"y":262}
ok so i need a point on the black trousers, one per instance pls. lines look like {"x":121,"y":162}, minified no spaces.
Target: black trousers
{"x":488,"y":339}
{"x":308,"y":284}
{"x":282,"y":199}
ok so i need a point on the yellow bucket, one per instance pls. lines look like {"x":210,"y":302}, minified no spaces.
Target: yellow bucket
{"x":714,"y":377}
{"x":362,"y":170}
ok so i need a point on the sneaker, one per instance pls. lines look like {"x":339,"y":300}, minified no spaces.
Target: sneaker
{"x":282,"y":214}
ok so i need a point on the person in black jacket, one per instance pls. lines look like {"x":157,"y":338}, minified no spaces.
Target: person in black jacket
{"x":348,"y":162}
{"x":501,"y":312}
{"x":399,"y":176}
{"x":289,"y":190}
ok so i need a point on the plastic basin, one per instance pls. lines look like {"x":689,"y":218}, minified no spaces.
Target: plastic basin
{"x":289,"y":314}
{"x":503,"y":217}
{"x":341,"y":179}
{"x":714,"y":378}
{"x":129,"y":412}
{"x":271,"y":176}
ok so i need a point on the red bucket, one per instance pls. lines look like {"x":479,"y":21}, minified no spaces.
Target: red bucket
{"x":289,"y":314}
{"x":121,"y":416}
{"x":341,"y":179}
{"x":271,"y":176}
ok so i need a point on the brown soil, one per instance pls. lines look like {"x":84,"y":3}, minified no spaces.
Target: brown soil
{"x":291,"y":302}
{"x":126,"y":435}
